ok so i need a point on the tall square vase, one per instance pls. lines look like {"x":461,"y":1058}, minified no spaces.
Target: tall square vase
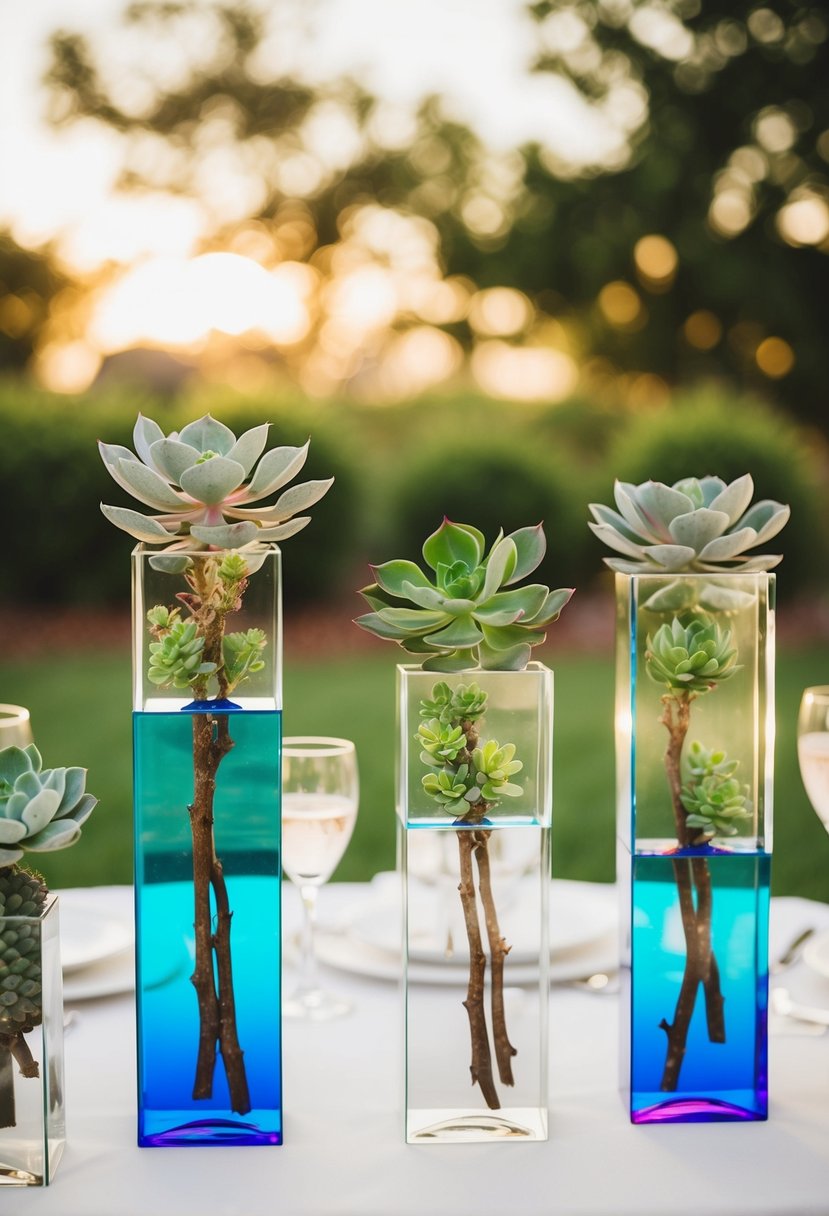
{"x":695,"y":740}
{"x":475,"y":897}
{"x":32,"y":1121}
{"x":207,"y":880}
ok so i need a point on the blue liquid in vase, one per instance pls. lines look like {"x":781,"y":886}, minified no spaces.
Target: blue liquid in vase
{"x":718,"y":1081}
{"x":247,"y":838}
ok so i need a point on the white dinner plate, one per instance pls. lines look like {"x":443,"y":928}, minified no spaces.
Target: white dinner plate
{"x":88,"y":936}
{"x":108,"y":978}
{"x":578,"y":918}
{"x":348,"y":954}
{"x":816,"y":953}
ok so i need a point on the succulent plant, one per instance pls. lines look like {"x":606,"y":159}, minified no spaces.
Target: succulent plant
{"x":441,"y":743}
{"x":204,"y":481}
{"x":693,"y":657}
{"x":242,"y":653}
{"x":715,"y":801}
{"x":494,"y":766}
{"x":451,"y":788}
{"x":176,"y":658}
{"x":698,"y":525}
{"x":462,"y":617}
{"x":40,"y":809}
{"x":21,"y":895}
{"x":464,"y":702}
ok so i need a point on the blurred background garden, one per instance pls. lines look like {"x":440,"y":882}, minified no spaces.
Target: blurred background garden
{"x":488,"y":255}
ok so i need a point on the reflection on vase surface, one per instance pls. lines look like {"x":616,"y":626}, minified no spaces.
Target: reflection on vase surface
{"x":716,"y":1080}
{"x":247,"y":825}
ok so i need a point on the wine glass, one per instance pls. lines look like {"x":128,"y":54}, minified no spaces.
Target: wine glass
{"x":320,"y":794}
{"x":813,"y":748}
{"x":15,"y":726}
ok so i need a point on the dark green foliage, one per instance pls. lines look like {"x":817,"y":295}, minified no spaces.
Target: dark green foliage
{"x":499,"y":480}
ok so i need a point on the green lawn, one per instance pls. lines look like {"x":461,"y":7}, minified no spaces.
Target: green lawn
{"x":81,"y":715}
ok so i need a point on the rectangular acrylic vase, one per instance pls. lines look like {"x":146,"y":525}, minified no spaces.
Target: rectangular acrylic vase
{"x":694,"y":914}
{"x":496,"y":874}
{"x":208,"y":951}
{"x":32,"y":1122}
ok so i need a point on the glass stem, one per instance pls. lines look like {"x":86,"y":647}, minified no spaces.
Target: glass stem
{"x":308,"y":963}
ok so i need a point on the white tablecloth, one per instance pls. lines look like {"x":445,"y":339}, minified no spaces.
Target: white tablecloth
{"x":344,"y":1153}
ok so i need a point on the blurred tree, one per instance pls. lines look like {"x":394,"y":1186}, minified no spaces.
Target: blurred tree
{"x":29,"y":282}
{"x":728,"y":162}
{"x":694,"y":246}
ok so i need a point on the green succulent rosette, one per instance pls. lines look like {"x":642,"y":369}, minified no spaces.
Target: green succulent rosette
{"x":691,"y":657}
{"x":717,"y":804}
{"x":467,"y":613}
{"x":41,"y":810}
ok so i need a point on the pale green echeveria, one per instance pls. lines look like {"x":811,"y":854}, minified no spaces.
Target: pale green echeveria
{"x":697,"y":525}
{"x":442,"y":743}
{"x":716,"y":803}
{"x":451,"y":789}
{"x":202,"y":481}
{"x":494,"y":766}
{"x":463,"y":616}
{"x":692,"y":657}
{"x":41,"y":810}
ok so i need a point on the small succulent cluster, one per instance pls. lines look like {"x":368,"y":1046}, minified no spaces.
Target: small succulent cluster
{"x":40,"y":809}
{"x":463,"y":617}
{"x":465,"y":702}
{"x":176,"y":657}
{"x":698,"y":525}
{"x":204,"y":481}
{"x":21,"y":895}
{"x":465,"y":778}
{"x":693,"y":657}
{"x":715,"y":801}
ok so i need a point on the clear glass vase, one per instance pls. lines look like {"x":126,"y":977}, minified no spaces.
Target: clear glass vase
{"x":207,"y":880}
{"x":32,"y":1123}
{"x":475,"y":923}
{"x":694,"y":784}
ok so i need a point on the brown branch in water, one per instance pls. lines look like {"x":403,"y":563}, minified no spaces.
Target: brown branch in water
{"x":202,"y":979}
{"x":214,"y":985}
{"x":498,"y":951}
{"x":700,"y":962}
{"x":481,"y":1065}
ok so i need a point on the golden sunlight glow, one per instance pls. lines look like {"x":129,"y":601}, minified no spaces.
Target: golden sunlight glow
{"x":702,"y":329}
{"x":775,"y":358}
{"x":68,"y":368}
{"x":620,"y":304}
{"x":499,"y":311}
{"x":417,"y":359}
{"x":656,"y":261}
{"x":523,"y":373}
{"x":804,"y":221}
{"x":178,"y":302}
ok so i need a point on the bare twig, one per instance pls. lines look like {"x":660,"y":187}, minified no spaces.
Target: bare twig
{"x":498,"y":951}
{"x":481,"y":1064}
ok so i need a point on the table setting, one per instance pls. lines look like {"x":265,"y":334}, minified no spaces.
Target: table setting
{"x":342,"y":1086}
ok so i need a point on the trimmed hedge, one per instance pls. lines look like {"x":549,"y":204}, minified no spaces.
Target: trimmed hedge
{"x":710,"y":432}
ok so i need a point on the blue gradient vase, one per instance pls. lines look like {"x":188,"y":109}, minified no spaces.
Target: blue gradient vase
{"x":207,"y":874}
{"x":694,"y":761}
